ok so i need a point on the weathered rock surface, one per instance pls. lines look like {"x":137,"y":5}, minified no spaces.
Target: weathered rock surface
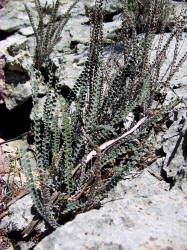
{"x":19,"y":215}
{"x":16,"y":83}
{"x":13,"y":16}
{"x":144,"y":214}
{"x":175,"y":140}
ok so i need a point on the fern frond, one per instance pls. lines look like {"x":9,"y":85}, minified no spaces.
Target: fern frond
{"x":68,"y":154}
{"x":47,"y":37}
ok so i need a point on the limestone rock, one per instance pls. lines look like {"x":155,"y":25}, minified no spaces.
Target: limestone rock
{"x":79,"y":32}
{"x":13,"y":16}
{"x":26,"y":31}
{"x":20,"y":215}
{"x":144,"y":214}
{"x":174,"y":139}
{"x":13,"y":44}
{"x":20,"y":94}
{"x":17,"y":85}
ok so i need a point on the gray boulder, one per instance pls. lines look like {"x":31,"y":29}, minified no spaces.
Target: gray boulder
{"x":16,"y":82}
{"x":13,"y":16}
{"x":13,"y":44}
{"x":143,"y":214}
{"x":174,"y":140}
{"x":19,"y":215}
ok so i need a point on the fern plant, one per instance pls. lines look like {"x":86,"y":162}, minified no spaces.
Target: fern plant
{"x":139,"y":9}
{"x":82,"y":144}
{"x":47,"y":35}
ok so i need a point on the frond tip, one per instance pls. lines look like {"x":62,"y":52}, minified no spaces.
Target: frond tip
{"x":47,"y":36}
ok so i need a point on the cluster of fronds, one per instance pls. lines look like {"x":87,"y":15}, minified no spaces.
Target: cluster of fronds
{"x":139,"y":9}
{"x":83,"y":146}
{"x":47,"y":35}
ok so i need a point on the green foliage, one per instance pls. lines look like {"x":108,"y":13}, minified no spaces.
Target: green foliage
{"x":82,"y":145}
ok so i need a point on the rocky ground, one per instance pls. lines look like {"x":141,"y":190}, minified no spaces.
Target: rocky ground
{"x":146,"y":210}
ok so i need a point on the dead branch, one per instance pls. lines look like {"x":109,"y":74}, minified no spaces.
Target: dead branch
{"x":108,"y":144}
